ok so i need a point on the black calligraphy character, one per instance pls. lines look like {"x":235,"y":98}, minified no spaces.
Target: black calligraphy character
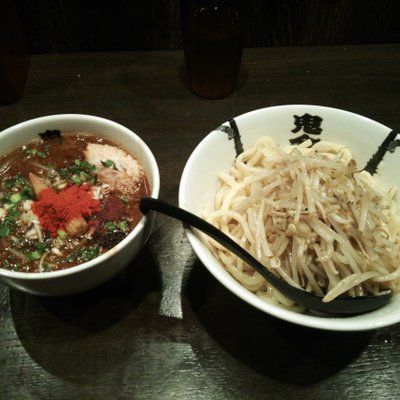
{"x":303,"y":138}
{"x":309,"y":123}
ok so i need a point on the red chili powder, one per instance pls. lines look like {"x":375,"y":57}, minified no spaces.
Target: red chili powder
{"x":55,"y":210}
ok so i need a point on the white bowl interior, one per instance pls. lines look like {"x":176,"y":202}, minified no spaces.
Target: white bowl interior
{"x":216,"y":153}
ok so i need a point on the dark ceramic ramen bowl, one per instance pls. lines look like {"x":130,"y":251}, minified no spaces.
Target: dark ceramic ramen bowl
{"x":287,"y":125}
{"x":94,"y":272}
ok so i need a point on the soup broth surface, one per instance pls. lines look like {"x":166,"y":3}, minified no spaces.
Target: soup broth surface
{"x":86,"y":202}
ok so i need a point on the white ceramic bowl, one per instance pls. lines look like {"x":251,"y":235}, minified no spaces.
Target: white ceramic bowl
{"x":216,"y":153}
{"x":94,"y":272}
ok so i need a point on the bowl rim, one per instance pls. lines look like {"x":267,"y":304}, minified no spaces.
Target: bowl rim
{"x":154,"y":170}
{"x":351,"y":323}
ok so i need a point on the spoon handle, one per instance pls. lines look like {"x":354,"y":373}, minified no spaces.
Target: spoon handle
{"x":338,"y":306}
{"x":149,"y":203}
{"x":300,"y":296}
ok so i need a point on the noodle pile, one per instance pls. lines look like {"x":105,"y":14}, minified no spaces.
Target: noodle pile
{"x":309,"y":217}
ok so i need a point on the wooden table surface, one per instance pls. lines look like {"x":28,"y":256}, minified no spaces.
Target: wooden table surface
{"x":165,"y":328}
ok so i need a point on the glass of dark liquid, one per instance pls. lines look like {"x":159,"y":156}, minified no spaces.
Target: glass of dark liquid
{"x":212,"y":33}
{"x":14,"y":54}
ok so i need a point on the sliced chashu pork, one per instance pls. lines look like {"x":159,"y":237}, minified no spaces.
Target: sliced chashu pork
{"x":122,"y":175}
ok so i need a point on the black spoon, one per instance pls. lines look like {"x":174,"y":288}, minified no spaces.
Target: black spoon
{"x":338,"y":306}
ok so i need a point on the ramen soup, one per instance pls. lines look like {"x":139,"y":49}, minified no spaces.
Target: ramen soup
{"x":66,"y":198}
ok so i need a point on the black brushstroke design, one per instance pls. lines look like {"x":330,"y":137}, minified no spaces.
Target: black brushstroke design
{"x":50,"y":134}
{"x":236,"y":137}
{"x":233,"y":133}
{"x":389,"y":144}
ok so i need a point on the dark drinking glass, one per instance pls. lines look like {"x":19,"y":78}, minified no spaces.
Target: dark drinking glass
{"x":14,"y":55}
{"x":212,"y":41}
